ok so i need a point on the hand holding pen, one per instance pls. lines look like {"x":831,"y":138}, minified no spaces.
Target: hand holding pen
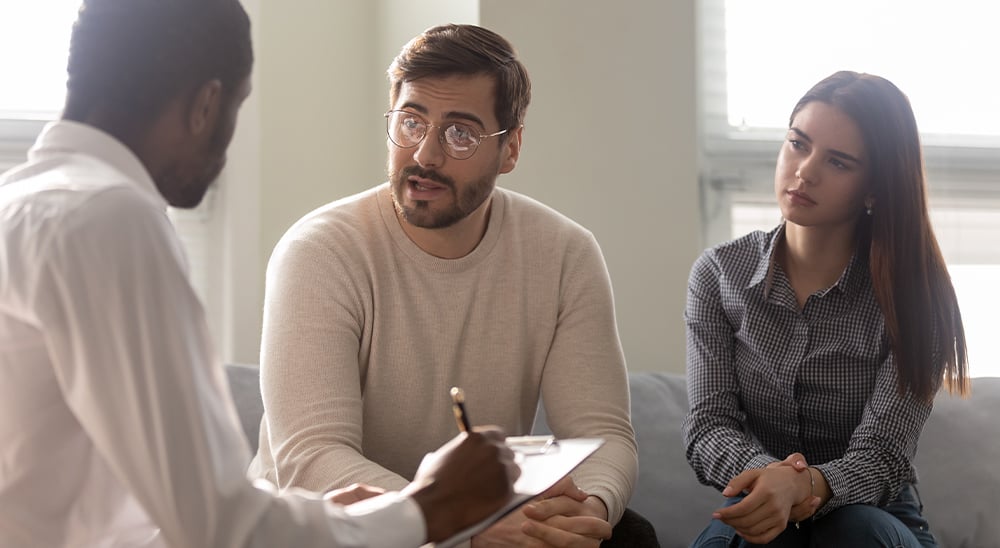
{"x":469,"y":478}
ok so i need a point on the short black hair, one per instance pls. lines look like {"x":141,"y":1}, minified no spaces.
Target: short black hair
{"x":130,"y":58}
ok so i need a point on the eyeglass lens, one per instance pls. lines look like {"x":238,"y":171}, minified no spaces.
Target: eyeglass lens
{"x":407,"y":130}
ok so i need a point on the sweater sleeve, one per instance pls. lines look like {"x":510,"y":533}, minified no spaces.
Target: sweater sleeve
{"x":310,"y":377}
{"x":585,"y":383}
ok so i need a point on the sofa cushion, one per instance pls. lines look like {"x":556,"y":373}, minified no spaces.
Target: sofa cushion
{"x":958,"y":463}
{"x":244,"y":384}
{"x":666,"y":491}
{"x":958,"y":459}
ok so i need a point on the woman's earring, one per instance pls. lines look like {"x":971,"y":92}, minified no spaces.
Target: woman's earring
{"x":868,"y":207}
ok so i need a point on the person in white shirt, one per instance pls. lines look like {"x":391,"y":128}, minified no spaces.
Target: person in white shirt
{"x":117,"y":426}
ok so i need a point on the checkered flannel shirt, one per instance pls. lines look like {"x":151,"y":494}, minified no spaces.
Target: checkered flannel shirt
{"x":766,"y":379}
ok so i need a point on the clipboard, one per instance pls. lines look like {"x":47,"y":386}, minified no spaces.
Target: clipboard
{"x":544,"y":461}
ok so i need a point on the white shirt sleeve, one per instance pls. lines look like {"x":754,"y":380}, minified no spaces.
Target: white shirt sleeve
{"x":129,"y":343}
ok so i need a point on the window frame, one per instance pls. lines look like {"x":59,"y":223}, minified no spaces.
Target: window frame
{"x":16,"y":137}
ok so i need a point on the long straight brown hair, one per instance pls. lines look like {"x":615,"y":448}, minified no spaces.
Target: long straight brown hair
{"x":909,"y":275}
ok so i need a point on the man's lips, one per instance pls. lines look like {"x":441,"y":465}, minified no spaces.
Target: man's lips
{"x":421,"y":183}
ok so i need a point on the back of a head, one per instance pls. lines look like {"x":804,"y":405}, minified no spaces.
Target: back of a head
{"x":130,"y":58}
{"x":451,"y":50}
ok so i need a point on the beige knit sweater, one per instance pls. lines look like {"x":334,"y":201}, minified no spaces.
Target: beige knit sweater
{"x":364,"y":333}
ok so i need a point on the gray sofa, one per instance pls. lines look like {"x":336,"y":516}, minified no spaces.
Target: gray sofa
{"x":958,"y":460}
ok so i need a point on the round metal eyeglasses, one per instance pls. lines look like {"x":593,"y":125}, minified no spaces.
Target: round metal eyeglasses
{"x":460,"y":141}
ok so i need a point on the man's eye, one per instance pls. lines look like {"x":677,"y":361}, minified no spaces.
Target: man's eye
{"x":460,"y":135}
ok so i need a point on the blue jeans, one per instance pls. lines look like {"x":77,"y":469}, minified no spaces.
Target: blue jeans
{"x":900,"y":524}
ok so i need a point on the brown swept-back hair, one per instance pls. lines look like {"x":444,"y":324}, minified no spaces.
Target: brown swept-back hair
{"x":908,"y":273}
{"x":450,"y":50}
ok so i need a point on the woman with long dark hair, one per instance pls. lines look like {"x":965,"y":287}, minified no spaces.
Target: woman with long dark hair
{"x":815,"y":350}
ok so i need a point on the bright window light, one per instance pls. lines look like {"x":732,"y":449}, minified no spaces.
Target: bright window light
{"x":975,"y":286}
{"x":941,"y":54}
{"x":34,"y":48}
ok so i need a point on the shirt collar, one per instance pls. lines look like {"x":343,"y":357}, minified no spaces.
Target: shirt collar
{"x":66,"y":137}
{"x":764,"y":271}
{"x":850,"y":282}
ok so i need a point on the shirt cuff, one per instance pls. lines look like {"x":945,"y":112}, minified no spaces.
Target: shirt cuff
{"x":759,"y":461}
{"x":390,"y":519}
{"x":838,"y":486}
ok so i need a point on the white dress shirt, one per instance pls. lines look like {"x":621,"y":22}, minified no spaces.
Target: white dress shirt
{"x":116,"y":424}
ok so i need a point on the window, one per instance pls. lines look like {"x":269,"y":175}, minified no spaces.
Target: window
{"x":34,"y":46}
{"x":34,"y":49}
{"x":758,"y":58}
{"x":935,"y":52}
{"x":34,"y":42}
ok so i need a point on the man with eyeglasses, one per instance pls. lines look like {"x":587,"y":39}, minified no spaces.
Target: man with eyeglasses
{"x":378,"y":303}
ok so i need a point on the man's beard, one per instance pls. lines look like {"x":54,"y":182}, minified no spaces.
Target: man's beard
{"x":421,"y":214}
{"x":184,"y":186}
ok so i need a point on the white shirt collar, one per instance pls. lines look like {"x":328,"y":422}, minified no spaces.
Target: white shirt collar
{"x":64,"y":137}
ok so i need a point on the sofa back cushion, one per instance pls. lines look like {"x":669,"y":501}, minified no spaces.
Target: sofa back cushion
{"x":666,"y":491}
{"x":958,"y":462}
{"x":958,"y":465}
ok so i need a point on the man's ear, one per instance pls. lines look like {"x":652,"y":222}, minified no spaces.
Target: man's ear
{"x":511,"y":150}
{"x":205,"y":107}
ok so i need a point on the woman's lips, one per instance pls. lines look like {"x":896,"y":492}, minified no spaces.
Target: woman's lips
{"x":801,"y":198}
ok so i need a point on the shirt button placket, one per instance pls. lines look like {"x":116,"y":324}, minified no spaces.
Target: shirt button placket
{"x":798,"y":345}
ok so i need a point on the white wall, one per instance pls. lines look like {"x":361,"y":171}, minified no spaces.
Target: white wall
{"x":311,"y":132}
{"x":231,"y":280}
{"x":323,"y":91}
{"x":610,"y":138}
